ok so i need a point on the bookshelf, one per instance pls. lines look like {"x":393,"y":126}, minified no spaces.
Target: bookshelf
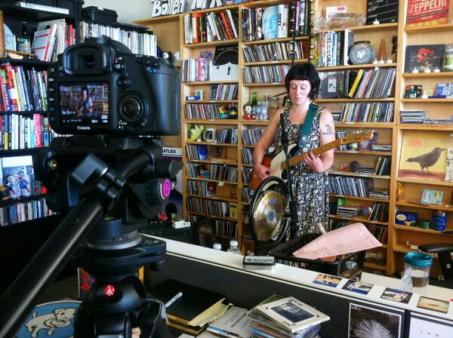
{"x":23,"y":111}
{"x":364,"y":97}
{"x":409,"y":182}
{"x":228,"y":214}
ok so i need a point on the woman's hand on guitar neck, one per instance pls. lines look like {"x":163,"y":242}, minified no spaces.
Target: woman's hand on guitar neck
{"x":314,"y":162}
{"x":262,"y":171}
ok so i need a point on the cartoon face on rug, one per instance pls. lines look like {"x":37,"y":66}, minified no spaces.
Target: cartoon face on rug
{"x":51,"y":321}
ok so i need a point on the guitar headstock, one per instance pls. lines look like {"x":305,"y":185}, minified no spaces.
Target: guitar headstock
{"x":358,"y":136}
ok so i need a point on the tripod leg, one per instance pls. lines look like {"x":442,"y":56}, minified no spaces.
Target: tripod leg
{"x":152,"y":322}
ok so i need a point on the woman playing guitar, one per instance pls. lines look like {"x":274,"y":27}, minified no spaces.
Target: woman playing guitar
{"x":309,"y":178}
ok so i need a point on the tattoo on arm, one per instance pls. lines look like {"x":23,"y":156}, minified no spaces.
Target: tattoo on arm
{"x":328,"y":130}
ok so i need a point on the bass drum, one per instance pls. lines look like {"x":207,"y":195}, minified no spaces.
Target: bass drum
{"x":268,"y":208}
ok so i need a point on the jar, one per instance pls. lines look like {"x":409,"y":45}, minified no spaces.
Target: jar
{"x":419,"y":265}
{"x":448,"y":58}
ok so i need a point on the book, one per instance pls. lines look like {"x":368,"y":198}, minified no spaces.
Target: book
{"x":17,"y":176}
{"x":196,"y":307}
{"x":43,"y":42}
{"x":291,"y":314}
{"x":449,"y":165}
{"x":423,"y":57}
{"x":225,"y":65}
{"x":234,"y":323}
{"x":421,"y":14}
{"x":45,"y":8}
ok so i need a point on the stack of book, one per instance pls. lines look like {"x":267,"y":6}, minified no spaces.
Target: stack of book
{"x":285,"y":318}
{"x":412,"y":116}
{"x":189,"y":309}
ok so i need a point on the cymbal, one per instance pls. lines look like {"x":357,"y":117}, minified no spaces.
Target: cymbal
{"x":267,"y":215}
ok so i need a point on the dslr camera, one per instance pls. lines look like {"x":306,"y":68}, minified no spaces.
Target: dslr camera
{"x":100,"y":87}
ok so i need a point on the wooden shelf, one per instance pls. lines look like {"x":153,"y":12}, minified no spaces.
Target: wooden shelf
{"x":428,"y":127}
{"x":214,"y":161}
{"x":212,"y":216}
{"x":366,"y":199}
{"x":358,"y":219}
{"x":425,"y":181}
{"x":211,"y":121}
{"x":352,"y":99}
{"x":352,"y":174}
{"x":427,"y":75}
{"x":254,"y":122}
{"x":367,"y":28}
{"x":211,"y":43}
{"x":215,"y":198}
{"x":371,"y":125}
{"x":265,"y":84}
{"x":261,"y":42}
{"x":277,"y":62}
{"x":209,"y":180}
{"x":427,"y":100}
{"x":365,"y":66}
{"x":444,"y":207}
{"x":427,"y":231}
{"x":364,"y":152}
{"x":208,"y":83}
{"x":213,"y":144}
{"x":429,"y":29}
{"x":210,"y":101}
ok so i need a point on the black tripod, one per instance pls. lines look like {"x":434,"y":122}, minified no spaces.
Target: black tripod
{"x":117,"y":300}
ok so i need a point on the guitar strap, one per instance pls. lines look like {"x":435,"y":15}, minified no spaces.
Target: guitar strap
{"x":306,"y":127}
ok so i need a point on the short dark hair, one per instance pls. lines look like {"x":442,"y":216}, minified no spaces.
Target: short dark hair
{"x":85,"y":88}
{"x":304,"y":71}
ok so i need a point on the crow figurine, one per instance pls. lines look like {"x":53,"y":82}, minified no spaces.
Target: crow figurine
{"x":427,"y":160}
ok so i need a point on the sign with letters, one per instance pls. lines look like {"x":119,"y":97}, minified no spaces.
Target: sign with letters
{"x":167,"y":7}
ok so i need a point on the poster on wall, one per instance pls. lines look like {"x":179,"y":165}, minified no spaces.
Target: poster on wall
{"x":426,"y":13}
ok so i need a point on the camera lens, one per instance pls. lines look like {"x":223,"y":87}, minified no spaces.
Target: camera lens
{"x":131,"y":108}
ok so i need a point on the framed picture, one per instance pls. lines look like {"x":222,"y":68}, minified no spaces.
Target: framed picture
{"x":384,"y":11}
{"x":433,"y":304}
{"x":423,"y":155}
{"x":430,"y":196}
{"x":413,"y":91}
{"x":365,"y":321}
{"x":423,"y":58}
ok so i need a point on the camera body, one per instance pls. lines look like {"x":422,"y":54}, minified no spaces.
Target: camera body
{"x":100,"y":87}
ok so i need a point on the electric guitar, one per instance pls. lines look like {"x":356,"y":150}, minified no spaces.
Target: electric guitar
{"x":277,"y":164}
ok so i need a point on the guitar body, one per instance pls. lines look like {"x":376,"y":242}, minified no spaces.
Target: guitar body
{"x":277,"y":165}
{"x":274,"y":164}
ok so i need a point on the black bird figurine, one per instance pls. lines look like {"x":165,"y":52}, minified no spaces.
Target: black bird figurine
{"x":427,"y":160}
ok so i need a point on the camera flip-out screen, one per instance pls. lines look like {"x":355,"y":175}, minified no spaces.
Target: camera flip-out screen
{"x":84,"y":104}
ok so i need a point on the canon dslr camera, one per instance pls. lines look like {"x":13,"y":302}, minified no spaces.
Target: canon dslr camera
{"x":100,"y":87}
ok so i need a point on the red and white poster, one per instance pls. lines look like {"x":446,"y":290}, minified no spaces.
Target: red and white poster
{"x":427,"y":12}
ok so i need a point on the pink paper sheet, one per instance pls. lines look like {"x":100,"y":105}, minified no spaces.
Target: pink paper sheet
{"x":350,"y":238}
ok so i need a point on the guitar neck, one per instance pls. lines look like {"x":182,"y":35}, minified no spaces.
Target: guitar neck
{"x":317,"y":151}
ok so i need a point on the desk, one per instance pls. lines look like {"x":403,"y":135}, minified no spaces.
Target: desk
{"x":223,"y":272}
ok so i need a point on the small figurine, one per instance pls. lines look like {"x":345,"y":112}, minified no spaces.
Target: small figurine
{"x":248,"y":112}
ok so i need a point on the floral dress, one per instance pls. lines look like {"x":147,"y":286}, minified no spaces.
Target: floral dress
{"x":310,"y":189}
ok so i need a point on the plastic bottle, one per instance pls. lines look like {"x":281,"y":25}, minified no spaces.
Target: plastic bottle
{"x":217,"y":246}
{"x":234,"y":247}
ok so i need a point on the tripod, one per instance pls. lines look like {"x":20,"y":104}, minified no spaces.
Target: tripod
{"x":117,"y":300}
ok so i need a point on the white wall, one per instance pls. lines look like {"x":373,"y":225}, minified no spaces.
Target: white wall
{"x":128,"y":10}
